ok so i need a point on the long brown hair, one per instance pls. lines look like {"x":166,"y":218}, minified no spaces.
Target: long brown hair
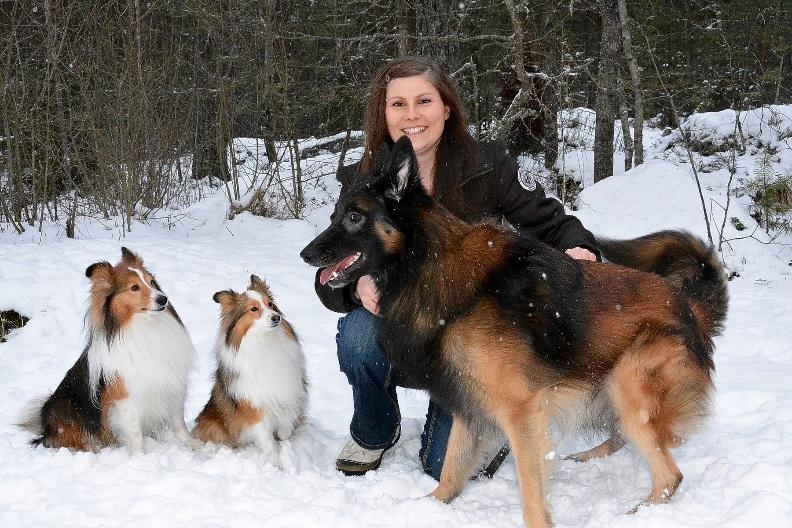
{"x":456,"y":152}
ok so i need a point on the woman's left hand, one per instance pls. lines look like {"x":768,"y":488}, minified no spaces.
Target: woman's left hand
{"x":580,"y":253}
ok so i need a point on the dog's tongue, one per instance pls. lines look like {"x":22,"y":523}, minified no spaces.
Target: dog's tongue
{"x":328,"y":272}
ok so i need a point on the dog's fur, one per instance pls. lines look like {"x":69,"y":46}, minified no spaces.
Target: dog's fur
{"x":260,"y":388}
{"x":131,"y":378}
{"x":507,"y":333}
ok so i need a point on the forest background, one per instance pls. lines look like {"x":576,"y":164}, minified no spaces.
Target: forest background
{"x":115,"y":107}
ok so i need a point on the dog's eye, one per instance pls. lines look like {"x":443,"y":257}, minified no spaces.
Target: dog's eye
{"x":254,"y":309}
{"x":135,"y":287}
{"x":355,"y":216}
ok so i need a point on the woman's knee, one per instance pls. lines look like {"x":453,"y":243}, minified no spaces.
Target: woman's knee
{"x":358,"y":340}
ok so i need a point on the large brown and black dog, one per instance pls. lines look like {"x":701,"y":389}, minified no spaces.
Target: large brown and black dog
{"x":507,"y":333}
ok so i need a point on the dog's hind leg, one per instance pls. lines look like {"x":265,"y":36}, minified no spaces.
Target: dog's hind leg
{"x":606,"y":448}
{"x":462,"y":455}
{"x":656,"y":391}
{"x":526,"y":426}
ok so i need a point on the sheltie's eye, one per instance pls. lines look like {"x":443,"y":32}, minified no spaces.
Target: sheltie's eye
{"x":135,"y":287}
{"x":270,"y":305}
{"x":254,"y":309}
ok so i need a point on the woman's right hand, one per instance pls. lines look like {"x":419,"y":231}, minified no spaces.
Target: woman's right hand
{"x":368,"y":293}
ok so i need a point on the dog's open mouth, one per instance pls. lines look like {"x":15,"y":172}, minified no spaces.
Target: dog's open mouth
{"x":340,"y":270}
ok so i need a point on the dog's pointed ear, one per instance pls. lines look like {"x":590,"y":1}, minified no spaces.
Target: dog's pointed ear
{"x":260,"y":285}
{"x":100,"y":273}
{"x":403,"y":172}
{"x":129,"y":258}
{"x":225,"y":298}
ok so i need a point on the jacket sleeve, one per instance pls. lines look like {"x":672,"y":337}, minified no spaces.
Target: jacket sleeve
{"x":524,"y":204}
{"x":340,"y":300}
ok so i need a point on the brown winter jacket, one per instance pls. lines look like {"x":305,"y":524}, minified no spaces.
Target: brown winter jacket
{"x":494,"y":189}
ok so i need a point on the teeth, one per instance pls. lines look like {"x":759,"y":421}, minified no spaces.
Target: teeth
{"x":414,"y":130}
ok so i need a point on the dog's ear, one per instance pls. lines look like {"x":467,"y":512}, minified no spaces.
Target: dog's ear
{"x":402,"y":172}
{"x":225,"y":298}
{"x":100,"y":273}
{"x":259,"y":285}
{"x":129,"y":258}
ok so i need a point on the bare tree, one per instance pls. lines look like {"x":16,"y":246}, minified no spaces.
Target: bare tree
{"x":635,"y":78}
{"x":606,"y":90}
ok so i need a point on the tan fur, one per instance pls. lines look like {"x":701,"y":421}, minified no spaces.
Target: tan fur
{"x":222,"y":421}
{"x":113,"y":392}
{"x":392,"y":239}
{"x":658,"y":392}
{"x":69,"y":435}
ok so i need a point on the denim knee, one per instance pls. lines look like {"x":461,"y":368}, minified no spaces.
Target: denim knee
{"x":358,"y":342}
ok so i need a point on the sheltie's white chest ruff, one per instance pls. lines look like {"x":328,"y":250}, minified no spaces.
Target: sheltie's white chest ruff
{"x":268,"y":371}
{"x":152,"y":355}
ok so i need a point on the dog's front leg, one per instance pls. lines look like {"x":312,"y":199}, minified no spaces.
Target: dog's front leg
{"x":181,"y":432}
{"x":525,"y":424}
{"x":462,"y":455}
{"x":262,"y":435}
{"x":123,"y":420}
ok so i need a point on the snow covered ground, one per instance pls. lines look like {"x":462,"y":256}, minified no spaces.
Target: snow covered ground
{"x":738,"y":469}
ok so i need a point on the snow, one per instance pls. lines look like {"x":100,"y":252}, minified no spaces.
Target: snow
{"x":738,"y":468}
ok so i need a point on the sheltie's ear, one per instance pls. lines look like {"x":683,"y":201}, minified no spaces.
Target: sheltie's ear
{"x":129,"y":258}
{"x":100,"y":273}
{"x":225,"y":298}
{"x":402,"y":170}
{"x":260,"y":285}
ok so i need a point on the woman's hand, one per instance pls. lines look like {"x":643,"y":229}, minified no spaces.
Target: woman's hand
{"x":368,"y":293}
{"x":581,"y":254}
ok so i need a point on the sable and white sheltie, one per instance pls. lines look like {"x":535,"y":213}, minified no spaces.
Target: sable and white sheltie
{"x":260,"y":389}
{"x":131,"y":378}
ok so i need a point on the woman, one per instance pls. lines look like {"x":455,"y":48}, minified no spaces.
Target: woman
{"x":414,"y":97}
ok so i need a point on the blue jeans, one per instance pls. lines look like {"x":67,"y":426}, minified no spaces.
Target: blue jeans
{"x":376,"y":418}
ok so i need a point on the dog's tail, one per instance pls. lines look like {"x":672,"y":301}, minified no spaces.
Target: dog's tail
{"x":30,"y":419}
{"x":689,"y":264}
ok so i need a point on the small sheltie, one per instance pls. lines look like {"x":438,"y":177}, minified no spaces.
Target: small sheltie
{"x":260,"y":388}
{"x":131,"y":378}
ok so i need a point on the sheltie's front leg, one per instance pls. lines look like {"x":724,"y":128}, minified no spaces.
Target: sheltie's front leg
{"x":462,"y":455}
{"x":261,"y":434}
{"x":181,"y":432}
{"x":123,"y":419}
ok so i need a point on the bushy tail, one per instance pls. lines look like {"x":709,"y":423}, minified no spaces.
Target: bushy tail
{"x":30,"y":419}
{"x":686,"y":261}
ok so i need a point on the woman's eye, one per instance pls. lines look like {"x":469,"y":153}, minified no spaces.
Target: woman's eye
{"x":397,"y":104}
{"x":424,"y":101}
{"x":254,"y":309}
{"x":135,"y":287}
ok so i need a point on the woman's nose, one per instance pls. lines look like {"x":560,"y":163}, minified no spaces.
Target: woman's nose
{"x":412,"y":111}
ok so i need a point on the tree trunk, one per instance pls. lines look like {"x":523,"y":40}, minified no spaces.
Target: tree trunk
{"x":635,"y":78}
{"x":628,"y":141}
{"x":404,"y":44}
{"x":436,"y":25}
{"x":606,"y":91}
{"x":550,"y":99}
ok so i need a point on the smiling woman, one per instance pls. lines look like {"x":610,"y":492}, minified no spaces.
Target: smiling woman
{"x":414,"y":97}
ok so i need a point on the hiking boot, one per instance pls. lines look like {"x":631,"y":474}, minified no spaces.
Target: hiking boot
{"x":355,"y":459}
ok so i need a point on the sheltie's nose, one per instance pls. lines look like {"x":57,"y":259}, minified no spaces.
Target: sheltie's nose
{"x":161,"y":301}
{"x":275,"y":319}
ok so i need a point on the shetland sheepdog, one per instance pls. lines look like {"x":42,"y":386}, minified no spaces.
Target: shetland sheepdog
{"x":131,"y":379}
{"x":260,"y":388}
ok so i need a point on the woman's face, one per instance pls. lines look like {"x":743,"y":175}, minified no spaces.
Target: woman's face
{"x":414,"y":108}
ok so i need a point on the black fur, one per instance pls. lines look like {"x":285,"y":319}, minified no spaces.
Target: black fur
{"x":72,"y":402}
